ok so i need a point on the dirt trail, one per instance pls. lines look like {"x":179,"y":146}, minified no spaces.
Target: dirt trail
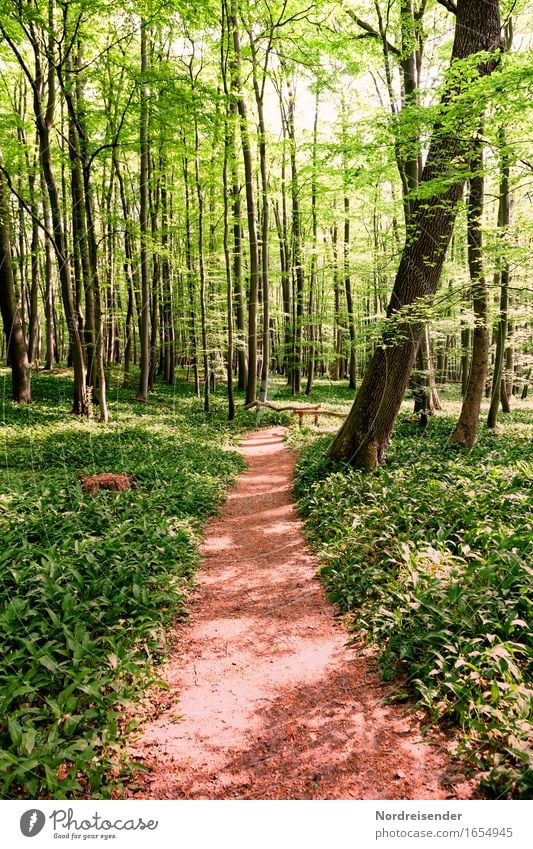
{"x":266,"y":700}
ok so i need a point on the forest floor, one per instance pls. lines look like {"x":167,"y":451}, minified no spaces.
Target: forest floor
{"x":267,"y":699}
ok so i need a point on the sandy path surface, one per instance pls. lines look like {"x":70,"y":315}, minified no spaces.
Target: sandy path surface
{"x":266,"y":700}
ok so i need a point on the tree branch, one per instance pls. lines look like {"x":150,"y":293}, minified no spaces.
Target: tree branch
{"x":370,"y":31}
{"x":28,"y":209}
{"x":18,"y":57}
{"x":450,"y":5}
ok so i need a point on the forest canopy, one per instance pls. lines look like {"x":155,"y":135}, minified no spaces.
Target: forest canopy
{"x":228,"y":188}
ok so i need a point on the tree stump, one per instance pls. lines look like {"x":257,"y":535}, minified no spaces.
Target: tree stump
{"x":107,"y":480}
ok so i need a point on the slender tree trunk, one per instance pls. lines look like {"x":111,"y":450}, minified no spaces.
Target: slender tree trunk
{"x":229,"y":139}
{"x":33,"y":346}
{"x":201,"y":260}
{"x":298,"y":269}
{"x":236,"y":84}
{"x":229,"y":153}
{"x":82,"y":266}
{"x":16,"y":343}
{"x":240,"y":312}
{"x":155,"y":311}
{"x":503,"y":224}
{"x":507,"y":381}
{"x":44,"y":117}
{"x":259,"y":91}
{"x":338,"y":338}
{"x":50,"y":341}
{"x":465,"y":431}
{"x":313,"y":275}
{"x":286,"y":292}
{"x":169,"y":332}
{"x":349,"y":297}
{"x":190,"y":274}
{"x":145,"y":270}
{"x":129,"y":272}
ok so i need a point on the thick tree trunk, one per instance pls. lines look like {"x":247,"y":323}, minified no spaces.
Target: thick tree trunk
{"x":363,"y":439}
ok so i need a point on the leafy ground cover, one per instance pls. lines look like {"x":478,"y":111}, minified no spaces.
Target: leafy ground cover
{"x":431,"y":556}
{"x":90,"y":582}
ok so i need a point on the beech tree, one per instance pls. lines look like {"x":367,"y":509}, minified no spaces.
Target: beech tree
{"x":16,"y":343}
{"x":364,"y":436}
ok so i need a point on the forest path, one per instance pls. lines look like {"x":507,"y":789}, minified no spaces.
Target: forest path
{"x":266,"y":700}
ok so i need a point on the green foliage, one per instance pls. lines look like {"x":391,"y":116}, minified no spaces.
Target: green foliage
{"x":90,"y":582}
{"x":432,"y":556}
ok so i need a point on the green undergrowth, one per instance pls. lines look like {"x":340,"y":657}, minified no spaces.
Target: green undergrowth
{"x":90,"y":584}
{"x":432,"y":557}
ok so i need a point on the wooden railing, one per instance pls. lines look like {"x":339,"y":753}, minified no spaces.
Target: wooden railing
{"x":314,"y":410}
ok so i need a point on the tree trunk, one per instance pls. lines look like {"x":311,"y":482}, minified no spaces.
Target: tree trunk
{"x":16,"y":343}
{"x":129,"y":273}
{"x":503,"y":223}
{"x":259,"y":90}
{"x":33,"y":335}
{"x":145,"y":271}
{"x":298,"y":270}
{"x":229,"y":140}
{"x":363,"y":439}
{"x":313,"y":275}
{"x":50,"y":341}
{"x":240,"y":313}
{"x":465,"y":431}
{"x":285,"y":289}
{"x":236,"y":85}
{"x":349,"y":297}
{"x":44,"y":118}
{"x":201,"y":259}
{"x":190,"y":277}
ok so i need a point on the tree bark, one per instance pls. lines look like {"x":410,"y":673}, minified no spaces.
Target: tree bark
{"x":503,"y":223}
{"x":465,"y":431}
{"x":44,"y":117}
{"x":145,"y":271}
{"x":313,"y":271}
{"x":298,"y":270}
{"x":16,"y":343}
{"x":236,"y":85}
